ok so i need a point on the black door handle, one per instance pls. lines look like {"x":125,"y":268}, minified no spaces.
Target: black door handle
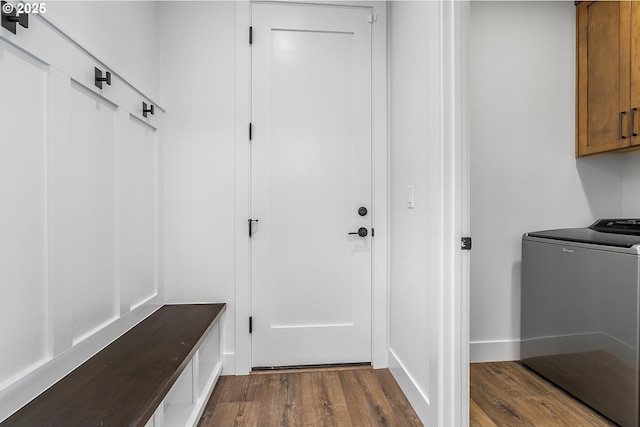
{"x":362,"y":232}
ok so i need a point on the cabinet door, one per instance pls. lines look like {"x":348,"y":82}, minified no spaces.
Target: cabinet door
{"x":634,"y":127}
{"x":603,"y":84}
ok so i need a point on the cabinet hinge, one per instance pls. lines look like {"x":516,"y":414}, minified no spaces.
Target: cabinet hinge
{"x":250,"y":131}
{"x":250,"y":324}
{"x":466,"y":244}
{"x":250,"y":35}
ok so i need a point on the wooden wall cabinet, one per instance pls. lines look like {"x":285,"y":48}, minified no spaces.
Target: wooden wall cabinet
{"x":608,"y":76}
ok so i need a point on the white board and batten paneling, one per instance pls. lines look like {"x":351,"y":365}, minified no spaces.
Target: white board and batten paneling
{"x":79,"y":209}
{"x":24,"y":220}
{"x":139,"y":211}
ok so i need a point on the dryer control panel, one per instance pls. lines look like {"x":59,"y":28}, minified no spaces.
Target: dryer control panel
{"x":618,"y":226}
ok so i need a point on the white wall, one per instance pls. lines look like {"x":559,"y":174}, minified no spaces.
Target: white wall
{"x":198,"y":88}
{"x":524,"y":175}
{"x":631,"y":185}
{"x":122,"y":34}
{"x":415,"y":239}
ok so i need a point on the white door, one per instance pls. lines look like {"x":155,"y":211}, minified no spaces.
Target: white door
{"x":311,"y":173}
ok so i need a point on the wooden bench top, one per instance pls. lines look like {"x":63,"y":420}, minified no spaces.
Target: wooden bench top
{"x":123,"y":384}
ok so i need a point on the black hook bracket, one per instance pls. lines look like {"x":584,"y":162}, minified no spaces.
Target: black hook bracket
{"x":10,"y":17}
{"x":146,"y":110}
{"x":99,"y":79}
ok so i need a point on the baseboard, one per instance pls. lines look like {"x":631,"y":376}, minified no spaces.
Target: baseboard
{"x":494,"y":351}
{"x":416,"y":396}
{"x":229,"y":364}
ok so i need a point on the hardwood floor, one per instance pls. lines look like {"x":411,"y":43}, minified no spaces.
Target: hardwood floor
{"x":503,"y":394}
{"x":508,"y":394}
{"x":600,"y":379}
{"x":323,"y":398}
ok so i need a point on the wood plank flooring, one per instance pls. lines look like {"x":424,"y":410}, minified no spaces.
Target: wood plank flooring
{"x":322,"y":398}
{"x":503,"y":394}
{"x":508,"y":394}
{"x":598,"y":378}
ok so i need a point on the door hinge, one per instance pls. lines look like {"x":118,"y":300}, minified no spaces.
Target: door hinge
{"x":466,"y":244}
{"x":372,"y":17}
{"x":250,"y":35}
{"x":250,"y":131}
{"x":250,"y":324}
{"x":251,"y":221}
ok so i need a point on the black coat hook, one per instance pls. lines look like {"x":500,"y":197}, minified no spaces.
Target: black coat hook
{"x":100,"y":79}
{"x":146,"y":110}
{"x":10,"y":17}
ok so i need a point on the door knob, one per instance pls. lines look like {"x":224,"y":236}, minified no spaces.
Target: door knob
{"x":362,"y":232}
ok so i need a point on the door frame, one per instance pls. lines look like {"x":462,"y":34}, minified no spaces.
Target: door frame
{"x":453,"y":372}
{"x":240,"y":362}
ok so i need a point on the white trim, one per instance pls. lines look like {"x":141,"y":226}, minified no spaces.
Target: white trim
{"x":81,"y":46}
{"x":494,"y":351}
{"x":380,"y":100}
{"x":229,"y":364}
{"x":241,"y":190}
{"x":380,"y":183}
{"x":49,"y":45}
{"x":416,"y":396}
{"x":453,"y":340}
